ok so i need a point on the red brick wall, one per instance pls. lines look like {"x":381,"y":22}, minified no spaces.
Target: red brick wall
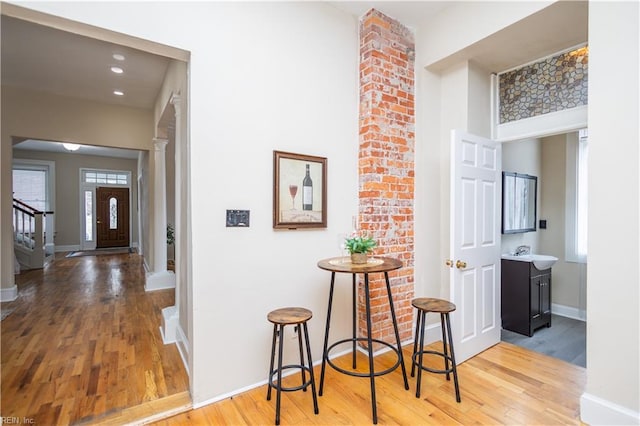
{"x":386,"y":165}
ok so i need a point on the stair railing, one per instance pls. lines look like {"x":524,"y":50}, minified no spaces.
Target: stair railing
{"x":29,"y":232}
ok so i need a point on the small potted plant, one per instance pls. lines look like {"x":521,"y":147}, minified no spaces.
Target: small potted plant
{"x":359,"y":247}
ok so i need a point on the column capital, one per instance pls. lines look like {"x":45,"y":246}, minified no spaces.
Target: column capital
{"x":159,"y":144}
{"x":176,"y":101}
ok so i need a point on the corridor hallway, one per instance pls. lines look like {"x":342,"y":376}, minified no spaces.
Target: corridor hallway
{"x":83,"y":341}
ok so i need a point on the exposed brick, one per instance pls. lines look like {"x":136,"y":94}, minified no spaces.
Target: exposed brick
{"x":386,"y":166}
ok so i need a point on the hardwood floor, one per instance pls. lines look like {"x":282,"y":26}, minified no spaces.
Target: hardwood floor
{"x":83,"y":341}
{"x":505,"y":384}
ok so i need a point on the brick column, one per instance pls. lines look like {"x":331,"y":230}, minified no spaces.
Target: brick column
{"x":386,"y":165}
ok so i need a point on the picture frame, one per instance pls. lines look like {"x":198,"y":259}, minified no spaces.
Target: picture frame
{"x":299,"y":191}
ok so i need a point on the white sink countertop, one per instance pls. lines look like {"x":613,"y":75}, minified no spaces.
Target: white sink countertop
{"x":540,"y":261}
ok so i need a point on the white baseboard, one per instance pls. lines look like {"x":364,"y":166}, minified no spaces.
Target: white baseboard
{"x":569,"y":312}
{"x":9,"y":294}
{"x":169,"y":326}
{"x":183,"y":348}
{"x":160,"y":281}
{"x":73,"y":247}
{"x":599,"y":411}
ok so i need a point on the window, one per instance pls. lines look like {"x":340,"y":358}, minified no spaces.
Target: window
{"x":88,"y":219}
{"x":113,"y":213}
{"x":30,"y":187}
{"x":576,"y":197}
{"x":112,"y":178}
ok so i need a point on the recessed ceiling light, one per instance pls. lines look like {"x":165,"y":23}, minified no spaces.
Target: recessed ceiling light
{"x":71,"y":146}
{"x":117,"y":70}
{"x":118,"y":57}
{"x":118,"y":92}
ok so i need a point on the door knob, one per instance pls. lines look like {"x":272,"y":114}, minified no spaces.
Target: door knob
{"x":460,"y":264}
{"x":449,"y":263}
{"x":98,"y":221}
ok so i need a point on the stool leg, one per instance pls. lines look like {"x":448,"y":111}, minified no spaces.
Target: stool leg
{"x":326,"y":334}
{"x":395,"y":329}
{"x":353,"y":319}
{"x":415,"y":345}
{"x":444,"y":346}
{"x":309,"y":359}
{"x":273,"y":354}
{"x":421,"y":346}
{"x":302,"y":372}
{"x":453,"y":358}
{"x":279,"y":386}
{"x":372,"y":377}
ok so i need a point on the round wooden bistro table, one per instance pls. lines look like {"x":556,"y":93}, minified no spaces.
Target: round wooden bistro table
{"x":373,"y":265}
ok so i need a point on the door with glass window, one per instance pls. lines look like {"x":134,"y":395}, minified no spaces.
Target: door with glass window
{"x":112,"y":217}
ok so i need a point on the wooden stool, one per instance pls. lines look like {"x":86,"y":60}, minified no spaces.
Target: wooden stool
{"x":281,"y":318}
{"x":443,"y":307}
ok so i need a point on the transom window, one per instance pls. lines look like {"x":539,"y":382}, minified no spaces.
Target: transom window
{"x":112,"y":178}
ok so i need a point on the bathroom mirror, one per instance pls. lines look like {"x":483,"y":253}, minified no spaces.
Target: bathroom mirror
{"x":518,"y":202}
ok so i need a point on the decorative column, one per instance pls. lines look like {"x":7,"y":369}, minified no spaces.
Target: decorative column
{"x":160,"y":278}
{"x":171,"y":314}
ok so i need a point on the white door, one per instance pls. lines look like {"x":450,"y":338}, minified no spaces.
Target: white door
{"x":476,"y":188}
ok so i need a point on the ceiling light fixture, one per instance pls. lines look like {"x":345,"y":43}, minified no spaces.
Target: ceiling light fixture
{"x":117,"y":70}
{"x":118,"y":57}
{"x":71,"y":146}
{"x":118,"y":92}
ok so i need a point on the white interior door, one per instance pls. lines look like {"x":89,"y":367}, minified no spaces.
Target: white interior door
{"x":476,"y":183}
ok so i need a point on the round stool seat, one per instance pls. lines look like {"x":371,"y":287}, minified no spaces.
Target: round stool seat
{"x":286,"y":316}
{"x":429,"y":304}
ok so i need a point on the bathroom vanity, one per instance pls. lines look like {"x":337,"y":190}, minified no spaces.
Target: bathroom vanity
{"x":526,"y":293}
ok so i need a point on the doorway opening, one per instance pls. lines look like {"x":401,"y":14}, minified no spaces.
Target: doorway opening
{"x":559,"y":162}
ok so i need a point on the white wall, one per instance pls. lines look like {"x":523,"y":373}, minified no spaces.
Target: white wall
{"x":38,"y":115}
{"x":283,"y":77}
{"x":613,"y":295}
{"x":569,"y":278}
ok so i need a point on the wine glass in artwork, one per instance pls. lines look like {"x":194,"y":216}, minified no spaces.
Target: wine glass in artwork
{"x":293,"y":190}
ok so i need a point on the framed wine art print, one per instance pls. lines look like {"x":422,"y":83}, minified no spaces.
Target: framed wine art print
{"x":299,"y":191}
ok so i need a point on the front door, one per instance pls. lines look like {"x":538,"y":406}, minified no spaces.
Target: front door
{"x":112,"y":217}
{"x":476,"y":188}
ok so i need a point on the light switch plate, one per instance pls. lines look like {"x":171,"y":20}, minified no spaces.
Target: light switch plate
{"x":237,"y":218}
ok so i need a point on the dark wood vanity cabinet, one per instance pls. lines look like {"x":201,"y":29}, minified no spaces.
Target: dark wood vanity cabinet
{"x":526,"y":297}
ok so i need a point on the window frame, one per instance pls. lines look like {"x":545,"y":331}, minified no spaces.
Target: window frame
{"x":576,"y":197}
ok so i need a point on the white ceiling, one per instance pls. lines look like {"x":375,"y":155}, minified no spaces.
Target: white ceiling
{"x":410,"y":13}
{"x":50,"y":60}
{"x":68,"y":64}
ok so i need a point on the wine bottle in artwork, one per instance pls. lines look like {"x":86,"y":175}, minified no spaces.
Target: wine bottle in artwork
{"x":307,"y":192}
